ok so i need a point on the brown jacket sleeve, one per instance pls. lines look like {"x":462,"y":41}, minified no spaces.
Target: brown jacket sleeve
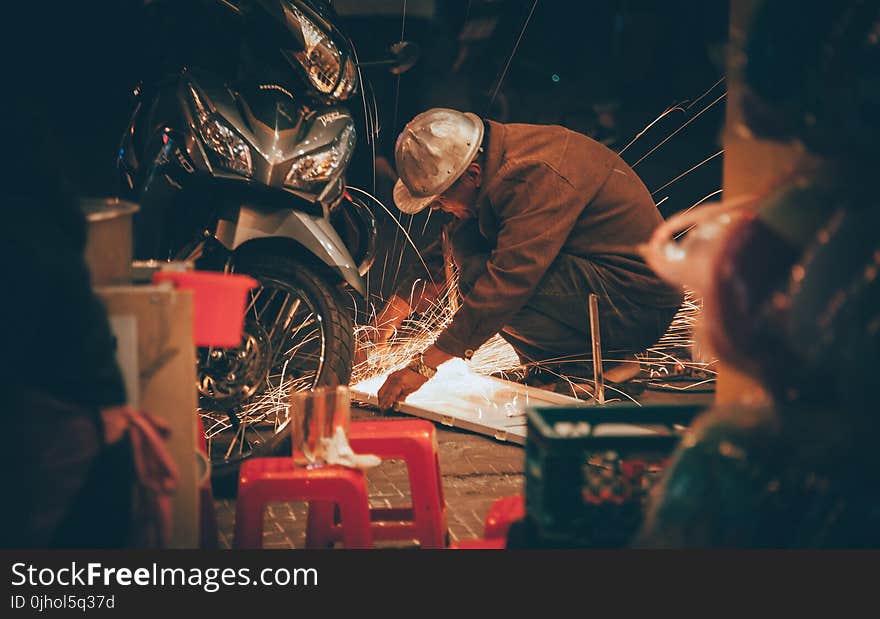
{"x":536,"y":209}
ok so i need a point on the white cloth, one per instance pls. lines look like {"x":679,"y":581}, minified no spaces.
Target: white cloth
{"x":338,"y":451}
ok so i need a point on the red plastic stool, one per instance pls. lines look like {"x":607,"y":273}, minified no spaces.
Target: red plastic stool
{"x":503,"y":512}
{"x":412,"y":440}
{"x":264,"y":480}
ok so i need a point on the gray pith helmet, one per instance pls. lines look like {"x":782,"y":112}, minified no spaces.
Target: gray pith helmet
{"x":432,"y":151}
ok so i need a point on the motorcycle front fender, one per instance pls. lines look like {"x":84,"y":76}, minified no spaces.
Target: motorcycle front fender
{"x":315,"y":234}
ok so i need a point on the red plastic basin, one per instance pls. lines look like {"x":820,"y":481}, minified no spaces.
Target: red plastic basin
{"x":219,"y":301}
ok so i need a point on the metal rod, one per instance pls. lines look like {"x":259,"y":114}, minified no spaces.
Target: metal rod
{"x":598,"y":377}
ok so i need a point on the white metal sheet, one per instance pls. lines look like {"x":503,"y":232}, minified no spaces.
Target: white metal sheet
{"x":457,"y":397}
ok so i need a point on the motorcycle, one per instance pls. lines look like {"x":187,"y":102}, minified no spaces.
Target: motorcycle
{"x":239,"y":166}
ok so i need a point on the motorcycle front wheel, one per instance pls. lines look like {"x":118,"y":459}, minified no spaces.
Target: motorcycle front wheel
{"x":298,"y":335}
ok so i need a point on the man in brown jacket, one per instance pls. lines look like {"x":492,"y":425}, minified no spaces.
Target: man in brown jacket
{"x":544,"y":216}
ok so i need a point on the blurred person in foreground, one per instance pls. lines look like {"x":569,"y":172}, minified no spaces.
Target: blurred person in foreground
{"x":792,"y":299}
{"x":81,"y":468}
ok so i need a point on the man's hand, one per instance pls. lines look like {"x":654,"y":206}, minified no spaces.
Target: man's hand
{"x":406,"y":381}
{"x":398,"y":386}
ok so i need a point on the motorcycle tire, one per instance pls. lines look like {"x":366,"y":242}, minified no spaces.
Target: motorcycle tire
{"x":326,"y":299}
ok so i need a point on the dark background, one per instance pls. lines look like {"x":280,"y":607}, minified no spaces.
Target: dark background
{"x":606,"y":69}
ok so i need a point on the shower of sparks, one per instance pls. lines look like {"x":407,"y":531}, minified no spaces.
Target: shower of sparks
{"x":459,"y":382}
{"x":471,"y":388}
{"x":676,"y":353}
{"x":674,"y":362}
{"x":261,"y":417}
{"x":414,"y":335}
{"x":674,"y":133}
{"x":667,"y":112}
{"x":461,"y":385}
{"x":264,"y":415}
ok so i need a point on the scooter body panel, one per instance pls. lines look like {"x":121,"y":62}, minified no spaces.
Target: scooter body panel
{"x":313,"y":233}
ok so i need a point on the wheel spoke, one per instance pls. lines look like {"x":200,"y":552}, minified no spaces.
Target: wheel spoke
{"x":291,"y":337}
{"x":266,"y":304}
{"x":279,"y":317}
{"x":299,"y":355}
{"x":253,"y":303}
{"x":233,"y":442}
{"x":243,"y":440}
{"x":290,"y":314}
{"x":289,"y":333}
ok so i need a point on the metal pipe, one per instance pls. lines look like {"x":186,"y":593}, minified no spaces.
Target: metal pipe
{"x":598,"y":377}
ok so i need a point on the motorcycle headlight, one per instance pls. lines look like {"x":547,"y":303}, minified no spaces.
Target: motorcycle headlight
{"x":323,"y":62}
{"x":229,"y":150}
{"x":309,"y":171}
